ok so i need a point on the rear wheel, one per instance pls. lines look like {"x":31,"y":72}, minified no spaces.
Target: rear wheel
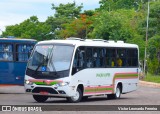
{"x":116,"y":95}
{"x":40,"y":98}
{"x":76,"y":98}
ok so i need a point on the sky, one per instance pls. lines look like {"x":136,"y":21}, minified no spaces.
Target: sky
{"x":16,"y":11}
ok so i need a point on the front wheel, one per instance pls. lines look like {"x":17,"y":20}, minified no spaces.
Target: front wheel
{"x":40,"y":98}
{"x":76,"y":98}
{"x":116,"y":95}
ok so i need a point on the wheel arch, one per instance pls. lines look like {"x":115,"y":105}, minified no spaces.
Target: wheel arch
{"x":81,"y":87}
{"x":120,"y":85}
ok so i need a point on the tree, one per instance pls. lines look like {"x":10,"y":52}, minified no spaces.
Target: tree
{"x":115,"y":25}
{"x":154,"y":54}
{"x":69,"y":10}
{"x":78,"y":27}
{"x":64,"y":13}
{"x":30,"y":28}
{"x":112,"y":5}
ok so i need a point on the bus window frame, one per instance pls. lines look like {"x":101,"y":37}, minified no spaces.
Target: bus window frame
{"x":16,"y":52}
{"x":60,"y":44}
{"x":8,"y":43}
{"x":114,"y":56}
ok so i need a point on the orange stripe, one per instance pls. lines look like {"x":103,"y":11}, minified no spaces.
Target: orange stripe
{"x":109,"y":91}
{"x":114,"y":78}
{"x":98,"y":87}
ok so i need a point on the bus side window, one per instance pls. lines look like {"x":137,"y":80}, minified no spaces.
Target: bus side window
{"x":81,"y":59}
{"x":6,"y":52}
{"x":23,"y":52}
{"x":110,"y":57}
{"x":102,"y":57}
{"x":96,"y":58}
{"x":132,"y":57}
{"x":1,"y":51}
{"x":121,"y":57}
{"x":78,"y":62}
{"x":99,"y":55}
{"x":89,"y":58}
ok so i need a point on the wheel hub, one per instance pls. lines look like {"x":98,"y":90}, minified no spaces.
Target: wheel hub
{"x":76,"y":96}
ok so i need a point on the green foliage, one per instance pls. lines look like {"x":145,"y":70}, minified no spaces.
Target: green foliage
{"x":153,"y":66}
{"x":69,"y":10}
{"x":152,"y":78}
{"x":154,"y":54}
{"x":89,"y":12}
{"x":154,"y":18}
{"x":154,"y":21}
{"x":138,"y":39}
{"x":115,"y":25}
{"x":30,"y":28}
{"x":64,"y":14}
{"x":111,"y":5}
{"x":154,"y":46}
{"x":77,"y":28}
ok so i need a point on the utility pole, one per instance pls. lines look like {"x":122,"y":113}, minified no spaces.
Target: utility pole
{"x":145,"y":53}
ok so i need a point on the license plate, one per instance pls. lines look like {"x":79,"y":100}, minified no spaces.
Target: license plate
{"x":44,"y":93}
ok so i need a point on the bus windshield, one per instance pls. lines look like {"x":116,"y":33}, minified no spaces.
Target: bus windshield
{"x":51,"y":58}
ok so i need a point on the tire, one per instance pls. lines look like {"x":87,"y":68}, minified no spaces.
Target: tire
{"x":40,"y":98}
{"x":116,"y":95}
{"x":76,"y":98}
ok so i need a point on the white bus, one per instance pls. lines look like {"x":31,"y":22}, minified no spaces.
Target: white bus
{"x":76,"y":69}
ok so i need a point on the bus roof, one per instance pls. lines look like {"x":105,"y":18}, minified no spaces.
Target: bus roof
{"x":16,"y":40}
{"x":90,"y":42}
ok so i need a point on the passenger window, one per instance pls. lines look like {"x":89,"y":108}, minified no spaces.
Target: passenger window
{"x":132,"y":57}
{"x":110,"y":57}
{"x":79,"y":60}
{"x":89,"y":58}
{"x":6,"y":52}
{"x":96,"y":57}
{"x":23,"y":52}
{"x":99,"y":55}
{"x":121,"y":57}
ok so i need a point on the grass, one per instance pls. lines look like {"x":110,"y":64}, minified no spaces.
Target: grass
{"x":152,"y":78}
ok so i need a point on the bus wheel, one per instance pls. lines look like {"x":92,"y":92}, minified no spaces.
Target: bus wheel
{"x":116,"y":95}
{"x":76,"y":98}
{"x":40,"y":98}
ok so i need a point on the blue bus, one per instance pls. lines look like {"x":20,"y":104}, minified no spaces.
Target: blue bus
{"x":14,"y":54}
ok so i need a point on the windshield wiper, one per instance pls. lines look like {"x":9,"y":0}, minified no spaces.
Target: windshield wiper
{"x":44,"y":60}
{"x":48,"y":57}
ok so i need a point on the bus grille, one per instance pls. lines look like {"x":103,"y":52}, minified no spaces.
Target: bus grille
{"x":44,"y":89}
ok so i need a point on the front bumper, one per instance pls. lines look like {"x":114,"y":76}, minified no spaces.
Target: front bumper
{"x":53,"y":91}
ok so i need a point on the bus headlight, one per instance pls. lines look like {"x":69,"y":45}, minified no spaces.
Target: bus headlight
{"x":28,"y":82}
{"x":62,"y":84}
